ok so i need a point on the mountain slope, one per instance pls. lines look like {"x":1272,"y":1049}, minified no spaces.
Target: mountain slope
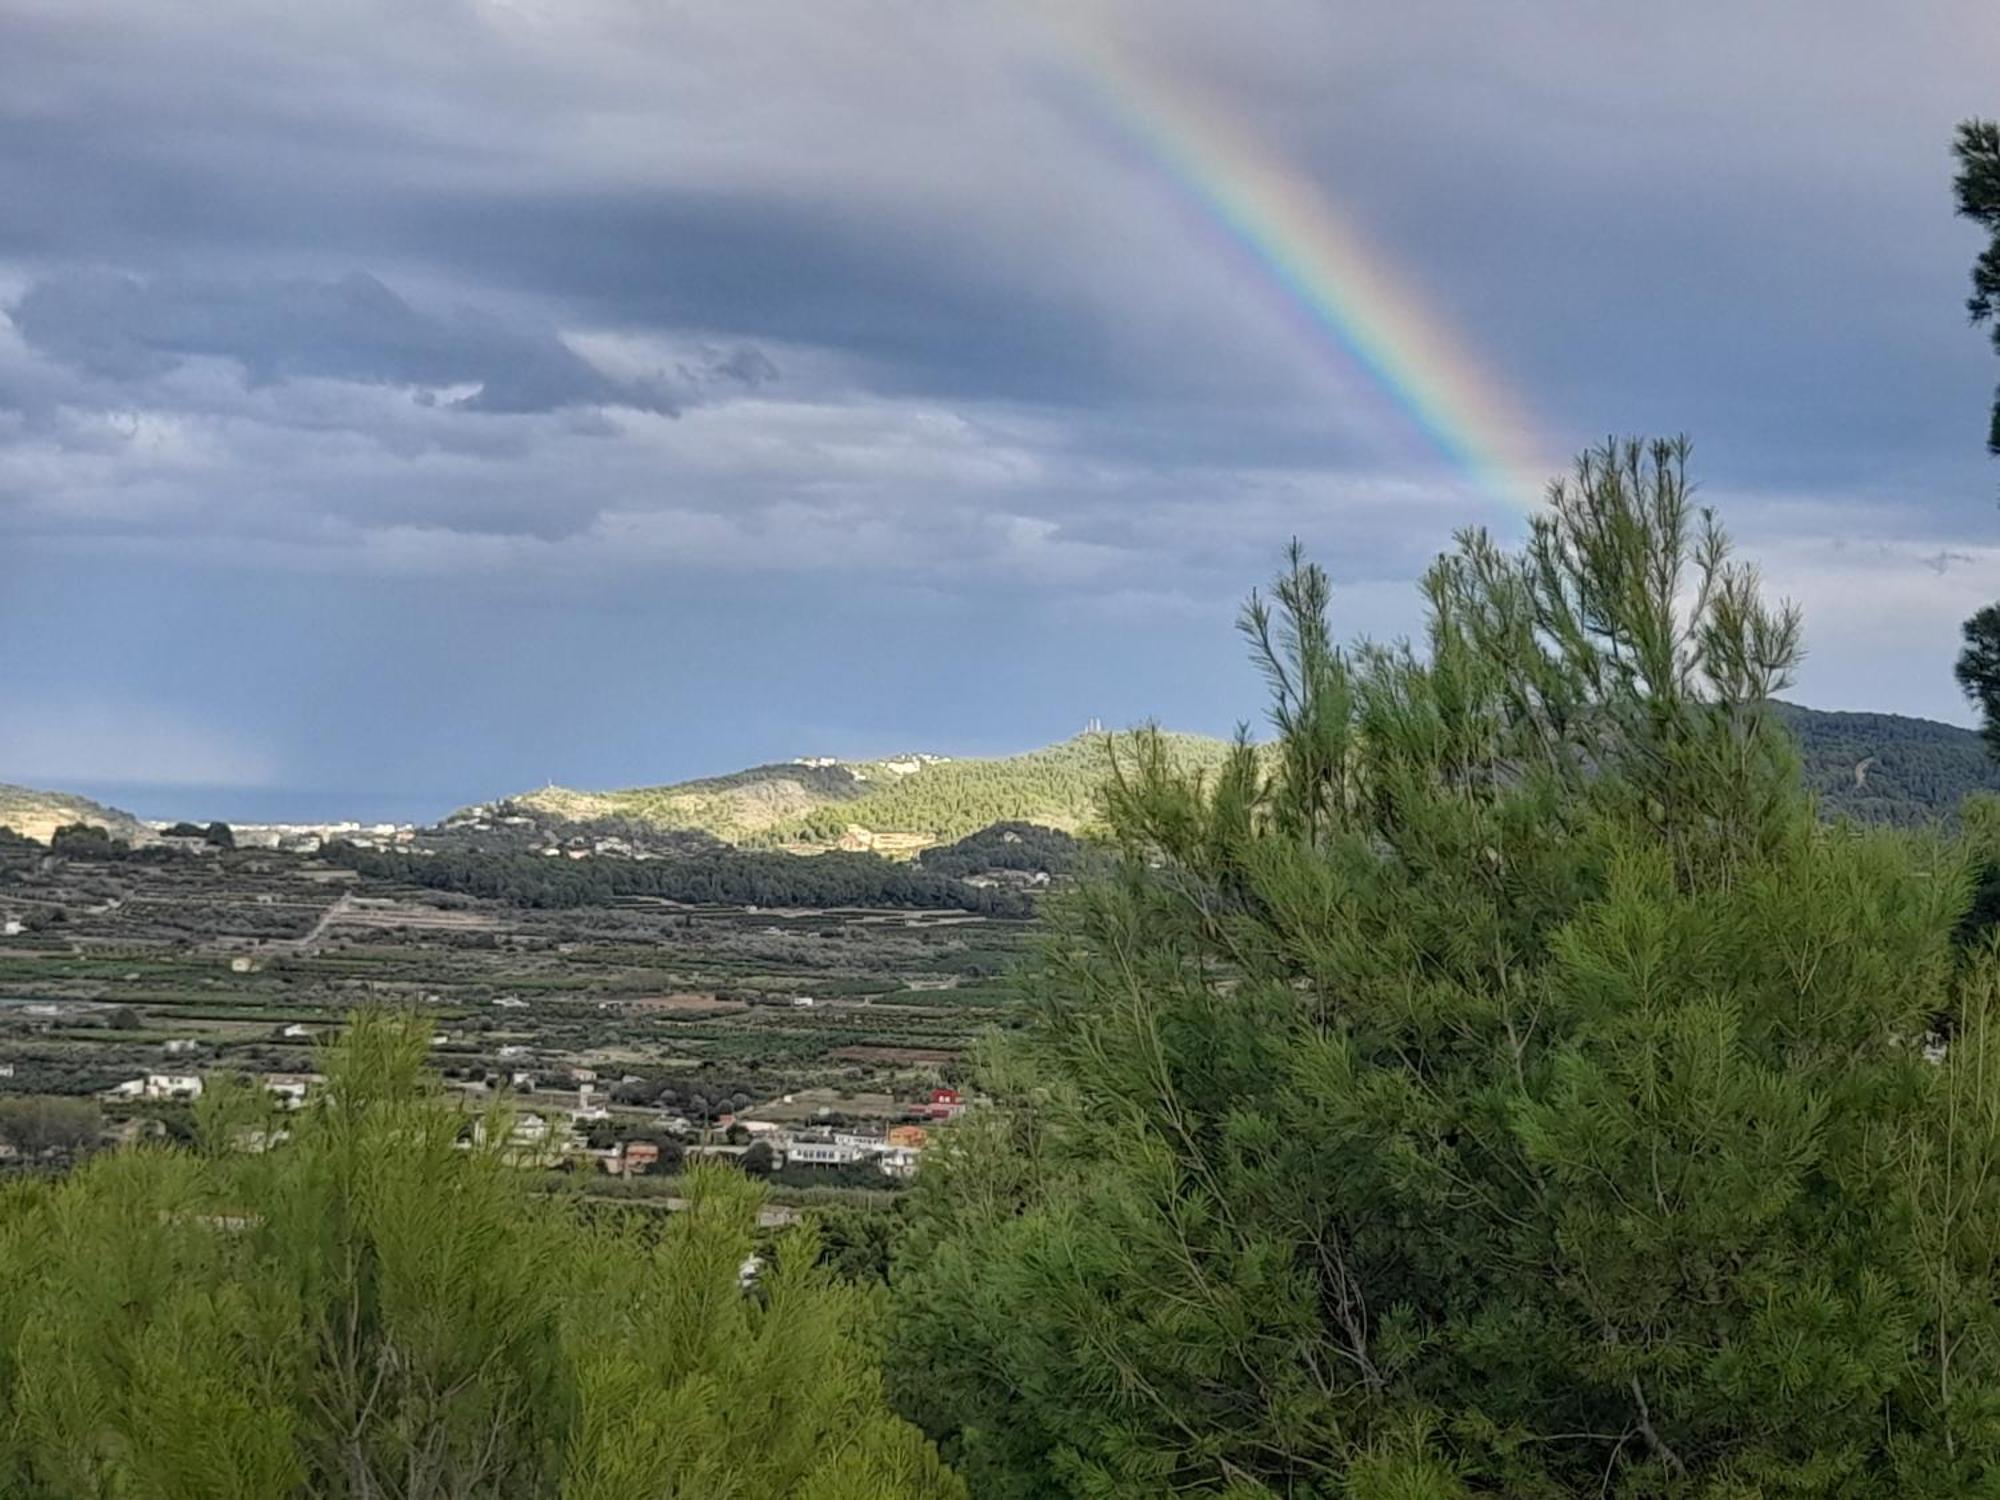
{"x":1879,"y":768}
{"x":1885,"y":768}
{"x":899,"y":804}
{"x":37,"y":815}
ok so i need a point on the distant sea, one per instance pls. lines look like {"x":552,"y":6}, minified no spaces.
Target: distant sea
{"x":261,"y":804}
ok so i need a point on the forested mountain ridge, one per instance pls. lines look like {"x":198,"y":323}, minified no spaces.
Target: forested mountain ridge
{"x":897,"y":804}
{"x":1880,"y":768}
{"x":1887,"y":768}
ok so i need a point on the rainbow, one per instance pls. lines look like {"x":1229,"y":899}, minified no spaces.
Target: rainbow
{"x":1352,"y":303}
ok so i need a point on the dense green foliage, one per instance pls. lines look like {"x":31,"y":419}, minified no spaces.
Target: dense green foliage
{"x":1978,"y":190}
{"x":372,"y":1309}
{"x":35,"y":1124}
{"x":737,"y":877}
{"x":1886,"y":768}
{"x":1005,"y":846}
{"x":1505,"y":1087}
{"x":1978,"y":672}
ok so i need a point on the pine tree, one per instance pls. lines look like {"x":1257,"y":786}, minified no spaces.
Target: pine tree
{"x":376,"y":1308}
{"x":1502,"y":1086}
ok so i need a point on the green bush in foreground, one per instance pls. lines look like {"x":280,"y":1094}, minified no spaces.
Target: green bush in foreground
{"x":1506,"y":1088}
{"x":371,"y":1310}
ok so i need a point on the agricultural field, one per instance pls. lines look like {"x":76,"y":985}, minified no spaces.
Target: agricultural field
{"x":244,"y":961}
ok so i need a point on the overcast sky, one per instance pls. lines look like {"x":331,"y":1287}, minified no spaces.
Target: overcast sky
{"x":404,"y":404}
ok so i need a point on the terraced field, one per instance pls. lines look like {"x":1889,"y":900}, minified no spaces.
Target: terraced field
{"x":235,"y":954}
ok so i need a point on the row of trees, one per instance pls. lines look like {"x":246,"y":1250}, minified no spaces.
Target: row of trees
{"x":1005,"y":846}
{"x":730,"y":877}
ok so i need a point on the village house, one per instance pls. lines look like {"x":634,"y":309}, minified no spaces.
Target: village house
{"x":804,"y":1152}
{"x":945,"y":1104}
{"x":290,"y":1089}
{"x":158,"y":1086}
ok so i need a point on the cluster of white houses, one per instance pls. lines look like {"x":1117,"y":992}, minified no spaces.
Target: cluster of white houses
{"x":543,"y":1137}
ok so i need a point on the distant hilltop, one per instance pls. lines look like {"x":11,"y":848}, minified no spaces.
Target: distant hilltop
{"x":37,"y":815}
{"x":896,"y":805}
{"x":1879,"y":768}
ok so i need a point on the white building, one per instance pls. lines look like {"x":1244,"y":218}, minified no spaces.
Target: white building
{"x":296,"y":1031}
{"x":822,"y":1153}
{"x":290,"y":1089}
{"x":159,"y":1086}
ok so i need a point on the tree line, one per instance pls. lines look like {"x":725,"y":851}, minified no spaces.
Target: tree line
{"x":1005,"y":846}
{"x":727,"y":876}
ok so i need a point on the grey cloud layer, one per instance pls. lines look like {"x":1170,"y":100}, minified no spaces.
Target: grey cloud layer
{"x":604,"y":303}
{"x":120,"y":328}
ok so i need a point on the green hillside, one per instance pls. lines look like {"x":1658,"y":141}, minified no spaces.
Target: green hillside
{"x":39,"y":814}
{"x":1885,"y":768}
{"x":1881,"y":768}
{"x":898,"y":804}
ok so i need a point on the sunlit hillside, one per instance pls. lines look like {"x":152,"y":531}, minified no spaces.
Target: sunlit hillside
{"x":897,"y":804}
